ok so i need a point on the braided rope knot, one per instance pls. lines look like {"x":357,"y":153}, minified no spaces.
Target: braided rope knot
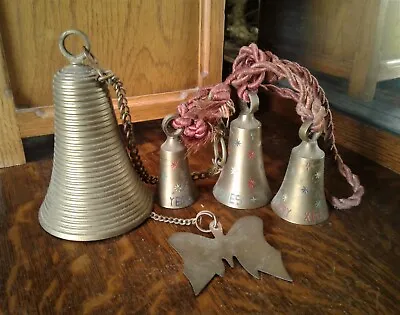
{"x":200,"y":116}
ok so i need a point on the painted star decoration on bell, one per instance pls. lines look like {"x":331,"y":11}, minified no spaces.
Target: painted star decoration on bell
{"x":233,"y":171}
{"x":304,"y":190}
{"x":237,"y":143}
{"x":174,"y":164}
{"x":178,"y":188}
{"x":251,"y":183}
{"x":251,"y":155}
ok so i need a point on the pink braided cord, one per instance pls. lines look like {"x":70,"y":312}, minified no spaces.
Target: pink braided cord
{"x":252,"y":67}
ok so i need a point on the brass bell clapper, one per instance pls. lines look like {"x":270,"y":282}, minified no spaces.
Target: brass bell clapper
{"x":242,"y":183}
{"x":175,"y":188}
{"x":94,"y":192}
{"x":301,"y":197}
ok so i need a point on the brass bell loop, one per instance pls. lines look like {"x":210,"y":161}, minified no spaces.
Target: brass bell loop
{"x":75,"y":59}
{"x":305,"y":133}
{"x":170,"y":132}
{"x":253,"y":106}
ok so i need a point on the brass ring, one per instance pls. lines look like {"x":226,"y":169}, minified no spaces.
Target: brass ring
{"x":254,"y":103}
{"x":305,"y":131}
{"x":209,"y":214}
{"x":166,"y":123}
{"x":73,"y":58}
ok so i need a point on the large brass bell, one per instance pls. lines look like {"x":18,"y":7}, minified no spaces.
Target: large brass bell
{"x":301,"y":197}
{"x":175,"y":187}
{"x":94,"y":192}
{"x":242,"y":183}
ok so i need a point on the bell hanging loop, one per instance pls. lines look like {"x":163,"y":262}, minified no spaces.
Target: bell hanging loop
{"x":175,"y":188}
{"x":94,"y":192}
{"x":301,"y":197}
{"x":242,"y":183}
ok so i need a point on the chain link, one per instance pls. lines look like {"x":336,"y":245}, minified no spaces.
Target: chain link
{"x":172,"y":220}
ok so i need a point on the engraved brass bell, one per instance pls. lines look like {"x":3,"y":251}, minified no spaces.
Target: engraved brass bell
{"x":175,"y":188}
{"x":94,"y":192}
{"x":301,"y":197}
{"x":242,"y":183}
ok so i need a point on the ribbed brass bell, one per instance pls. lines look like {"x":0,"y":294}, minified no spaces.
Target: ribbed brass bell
{"x":301,"y":197}
{"x":94,"y":192}
{"x":242,"y":183}
{"x":175,"y":186}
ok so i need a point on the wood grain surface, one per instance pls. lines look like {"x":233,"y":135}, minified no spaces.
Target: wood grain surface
{"x":347,"y":265}
{"x":152,"y":45}
{"x":11,"y":150}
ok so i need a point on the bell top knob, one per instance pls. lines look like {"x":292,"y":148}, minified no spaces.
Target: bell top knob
{"x":309,"y":146}
{"x":246,"y":119}
{"x":172,"y":143}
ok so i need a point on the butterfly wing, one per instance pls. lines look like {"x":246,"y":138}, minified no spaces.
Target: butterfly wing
{"x":253,"y":252}
{"x":200,"y":256}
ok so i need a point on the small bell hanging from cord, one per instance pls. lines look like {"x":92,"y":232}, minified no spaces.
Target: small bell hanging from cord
{"x":301,"y":197}
{"x":176,"y":188}
{"x":242,"y":183}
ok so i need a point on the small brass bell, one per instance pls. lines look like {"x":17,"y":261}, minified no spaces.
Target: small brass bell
{"x":301,"y":197}
{"x":94,"y":192}
{"x":175,"y":188}
{"x":242,"y":183}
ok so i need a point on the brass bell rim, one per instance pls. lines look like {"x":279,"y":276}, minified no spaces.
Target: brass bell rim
{"x":107,"y":207}
{"x":94,"y":202}
{"x":88,"y":235}
{"x":101,"y":215}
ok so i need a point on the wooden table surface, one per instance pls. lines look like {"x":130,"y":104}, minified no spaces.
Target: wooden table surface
{"x":347,"y":265}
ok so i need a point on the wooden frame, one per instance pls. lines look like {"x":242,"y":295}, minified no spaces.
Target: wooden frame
{"x":11,"y":150}
{"x":37,"y":121}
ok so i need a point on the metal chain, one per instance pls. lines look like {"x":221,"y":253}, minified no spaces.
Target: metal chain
{"x":177,"y":221}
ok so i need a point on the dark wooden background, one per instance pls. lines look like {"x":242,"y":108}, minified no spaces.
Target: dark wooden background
{"x":347,"y":265}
